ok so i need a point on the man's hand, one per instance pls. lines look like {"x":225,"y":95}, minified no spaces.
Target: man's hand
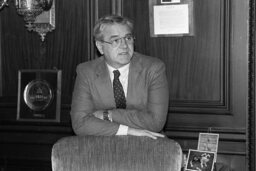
{"x":98,"y":114}
{"x":146,"y":133}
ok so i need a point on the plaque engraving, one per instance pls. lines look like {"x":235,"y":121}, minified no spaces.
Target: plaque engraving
{"x":39,"y":95}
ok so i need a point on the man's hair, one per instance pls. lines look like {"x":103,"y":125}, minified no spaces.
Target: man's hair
{"x":110,"y":20}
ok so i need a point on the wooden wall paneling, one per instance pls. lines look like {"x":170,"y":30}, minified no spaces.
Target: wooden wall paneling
{"x":15,"y":50}
{"x":28,"y":146}
{"x":101,"y":8}
{"x":199,"y":67}
{"x":207,"y":73}
{"x":64,"y":48}
{"x":186,"y":53}
{"x":68,"y":45}
{"x":117,"y":7}
{"x":104,"y":7}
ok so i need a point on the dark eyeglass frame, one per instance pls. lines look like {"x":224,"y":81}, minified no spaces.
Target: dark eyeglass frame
{"x":117,"y":42}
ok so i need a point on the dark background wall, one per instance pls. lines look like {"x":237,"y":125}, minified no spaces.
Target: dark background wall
{"x":207,"y":74}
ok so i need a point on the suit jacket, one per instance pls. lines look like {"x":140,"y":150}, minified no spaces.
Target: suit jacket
{"x":147,"y":97}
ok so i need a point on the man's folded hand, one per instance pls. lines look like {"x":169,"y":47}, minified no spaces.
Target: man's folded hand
{"x":142,"y":132}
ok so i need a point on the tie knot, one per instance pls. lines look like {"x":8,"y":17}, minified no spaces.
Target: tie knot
{"x":116,"y":73}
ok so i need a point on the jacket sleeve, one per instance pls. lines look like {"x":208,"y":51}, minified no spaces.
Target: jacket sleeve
{"x":153,"y":116}
{"x":82,"y":107}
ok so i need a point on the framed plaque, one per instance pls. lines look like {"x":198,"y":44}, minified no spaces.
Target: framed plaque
{"x":39,"y":95}
{"x":171,"y":18}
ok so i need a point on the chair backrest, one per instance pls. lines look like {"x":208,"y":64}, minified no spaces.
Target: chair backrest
{"x":116,"y":153}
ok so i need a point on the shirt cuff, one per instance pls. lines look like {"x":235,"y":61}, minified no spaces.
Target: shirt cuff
{"x":122,"y":130}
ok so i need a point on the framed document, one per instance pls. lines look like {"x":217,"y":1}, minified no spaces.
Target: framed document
{"x":39,"y":95}
{"x":208,"y":142}
{"x":171,"y":18}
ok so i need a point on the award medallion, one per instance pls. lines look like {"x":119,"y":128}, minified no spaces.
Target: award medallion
{"x":38,"y":95}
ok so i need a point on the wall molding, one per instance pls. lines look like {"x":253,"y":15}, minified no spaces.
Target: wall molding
{"x":252,"y":91}
{"x":231,"y":141}
{"x":1,"y":76}
{"x":117,"y":7}
{"x":222,"y":106}
{"x":92,"y":16}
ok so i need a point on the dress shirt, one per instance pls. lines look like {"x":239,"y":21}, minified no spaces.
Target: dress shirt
{"x":124,"y":72}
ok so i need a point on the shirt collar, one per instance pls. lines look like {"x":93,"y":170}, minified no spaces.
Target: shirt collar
{"x":122,"y":70}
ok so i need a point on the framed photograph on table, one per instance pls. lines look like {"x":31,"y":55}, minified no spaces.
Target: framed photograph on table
{"x":39,"y":95}
{"x":200,"y":160}
{"x":208,"y":142}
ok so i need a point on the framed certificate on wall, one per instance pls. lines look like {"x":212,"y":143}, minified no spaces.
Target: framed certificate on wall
{"x":39,"y":95}
{"x":171,"y":18}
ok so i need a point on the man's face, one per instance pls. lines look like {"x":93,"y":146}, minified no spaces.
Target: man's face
{"x":120,"y":55}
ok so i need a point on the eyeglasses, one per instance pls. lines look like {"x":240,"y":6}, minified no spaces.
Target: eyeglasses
{"x":129,"y":39}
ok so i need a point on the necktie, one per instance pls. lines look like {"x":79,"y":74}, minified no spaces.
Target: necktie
{"x":118,"y":91}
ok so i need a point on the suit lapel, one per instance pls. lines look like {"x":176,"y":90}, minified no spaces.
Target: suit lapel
{"x":103,"y":85}
{"x":133,"y":80}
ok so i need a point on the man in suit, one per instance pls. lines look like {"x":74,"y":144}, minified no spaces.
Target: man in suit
{"x":101,"y":105}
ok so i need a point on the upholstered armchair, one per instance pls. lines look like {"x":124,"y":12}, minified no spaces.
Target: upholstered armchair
{"x":116,"y":153}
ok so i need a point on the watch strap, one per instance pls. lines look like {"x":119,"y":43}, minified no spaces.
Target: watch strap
{"x":106,"y":115}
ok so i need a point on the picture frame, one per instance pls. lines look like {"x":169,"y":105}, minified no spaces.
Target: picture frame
{"x":39,"y":95}
{"x":169,"y":1}
{"x":208,"y":142}
{"x":200,"y":160}
{"x":171,"y":19}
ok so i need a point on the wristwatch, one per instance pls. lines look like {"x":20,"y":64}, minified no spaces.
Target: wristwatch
{"x":106,"y":115}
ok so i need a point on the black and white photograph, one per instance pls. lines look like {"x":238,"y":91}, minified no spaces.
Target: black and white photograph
{"x":208,"y":142}
{"x":200,"y":160}
{"x":127,"y":85}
